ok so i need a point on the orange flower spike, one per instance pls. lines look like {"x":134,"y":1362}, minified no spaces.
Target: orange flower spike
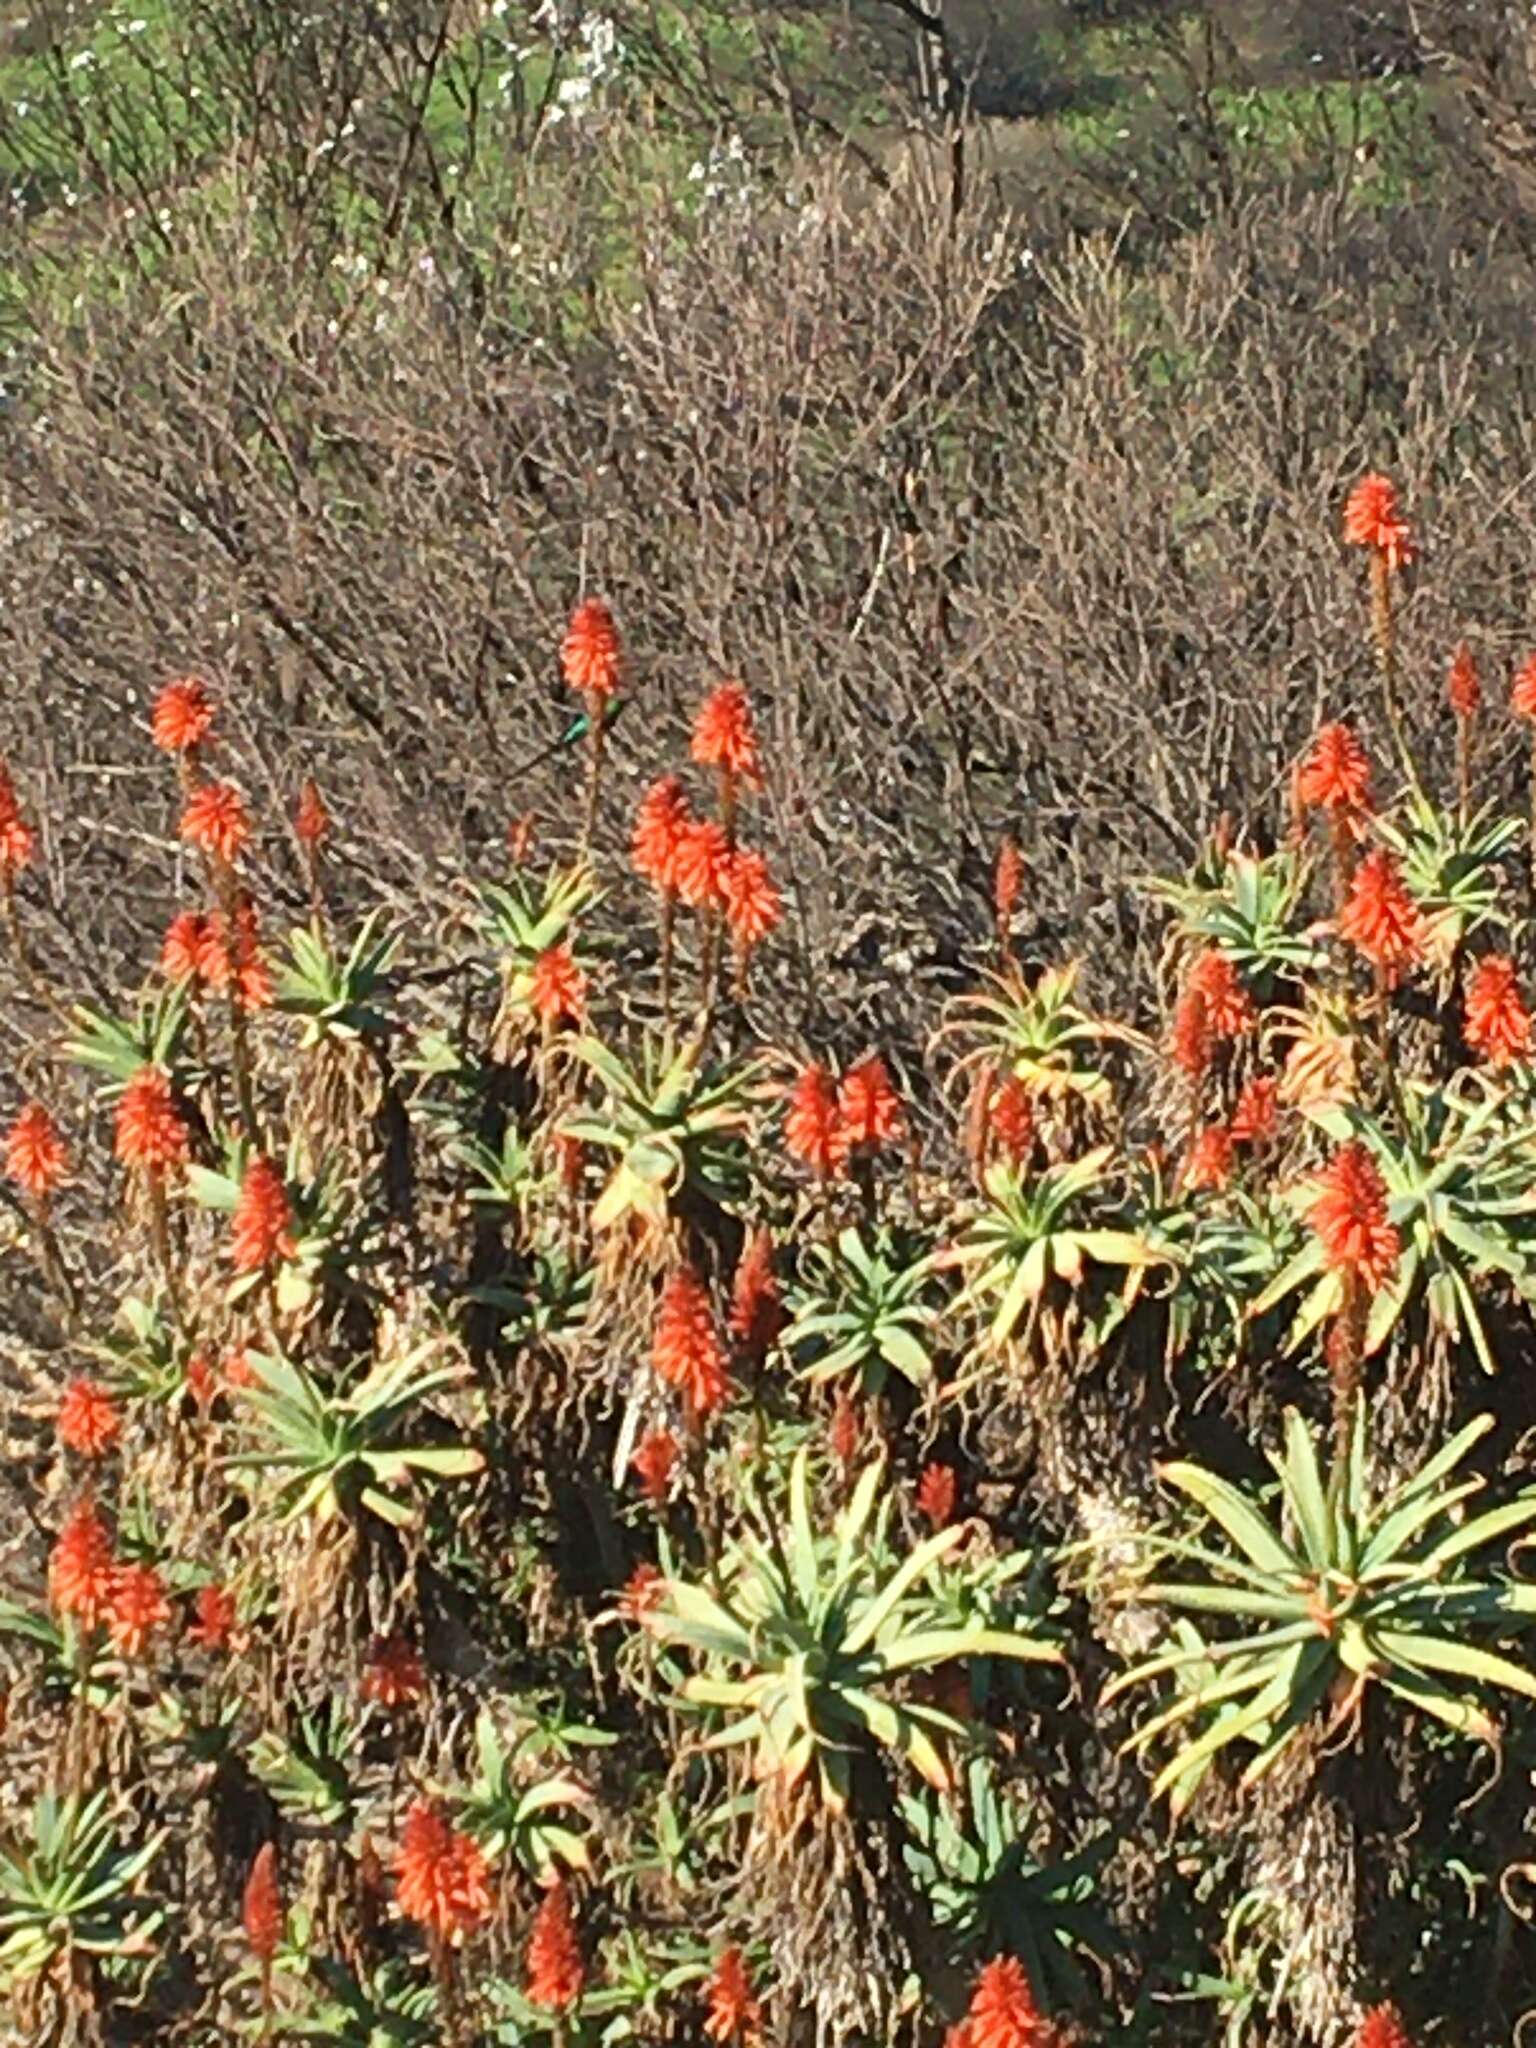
{"x":685,"y":1349}
{"x":150,"y":1133}
{"x":36,"y":1158}
{"x":1192,"y":1040}
{"x":394,"y":1675}
{"x":1007,"y":882}
{"x":263,"y":1218}
{"x":868,"y":1107}
{"x":213,"y":1612}
{"x":216,"y":820}
{"x":1011,"y":1119}
{"x":442,"y":1878}
{"x":1498,"y":1024}
{"x":654,"y":1462}
{"x":642,"y":1592}
{"x":1372,"y":519}
{"x":1256,"y":1111}
{"x":1522,"y":693}
{"x":703,"y":859}
{"x":591,"y":658}
{"x":1228,"y":1006}
{"x":725,"y":737}
{"x":1463,"y":690}
{"x":1380,"y":919}
{"x":261,"y":1908}
{"x":556,"y":1975}
{"x":752,"y":904}
{"x":559,"y":992}
{"x":1382,"y":2027}
{"x":656,"y":843}
{"x":935,"y":1497}
{"x":311,"y":821}
{"x":18,"y":842}
{"x":757,"y":1309}
{"x":88,"y":1422}
{"x":1209,"y":1160}
{"x":181,"y":948}
{"x":1350,"y":1218}
{"x":1336,"y":773}
{"x":734,"y":2013}
{"x":845,"y":1432}
{"x":136,"y":1608}
{"x":81,"y":1568}
{"x":183,"y":715}
{"x":813,"y":1128}
{"x":1003,"y":2013}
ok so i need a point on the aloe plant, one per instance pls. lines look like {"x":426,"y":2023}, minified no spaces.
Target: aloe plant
{"x":803,"y":1636}
{"x":527,"y":1819}
{"x":863,"y":1312}
{"x":1038,"y":1033}
{"x":1367,"y":1591}
{"x":674,"y":1125}
{"x":334,"y":993}
{"x":116,"y":1047}
{"x":1250,"y":909}
{"x":1035,"y":1230}
{"x":1452,"y":866}
{"x":340,"y":1454}
{"x":1459,"y":1190}
{"x":69,"y":1888}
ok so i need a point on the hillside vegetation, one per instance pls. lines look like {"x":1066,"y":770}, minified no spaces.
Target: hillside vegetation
{"x":767,"y":1110}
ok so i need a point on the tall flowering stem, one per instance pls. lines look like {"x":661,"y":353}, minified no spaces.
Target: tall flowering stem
{"x":1522,"y":701}
{"x":1373,"y":520}
{"x":1464,"y":693}
{"x":660,"y":823}
{"x":215,"y":821}
{"x":591,"y":659}
{"x":1361,"y":1245}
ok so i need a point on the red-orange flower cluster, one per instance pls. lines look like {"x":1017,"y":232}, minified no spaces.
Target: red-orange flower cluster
{"x":936,"y":1494}
{"x":1463,"y":690}
{"x":657,"y":841}
{"x":1007,"y":881}
{"x":685,"y":1347}
{"x":150,"y":1133}
{"x":1382,"y":2027}
{"x":1498,"y":1023}
{"x":1336,"y":773}
{"x":757,"y":1310}
{"x":642,"y":1591}
{"x":311,"y":821}
{"x":35,"y":1156}
{"x":1003,"y":2012}
{"x":733,"y":2013}
{"x":136,"y":1608}
{"x":1380,"y":918}
{"x":221,"y":963}
{"x":262,"y":1228}
{"x":703,"y":861}
{"x":654,"y":1461}
{"x":868,"y":1106}
{"x":215,"y":819}
{"x":1011,"y":1119}
{"x":183,"y":715}
{"x":1208,"y":1163}
{"x":1228,"y":1006}
{"x":752,"y":905}
{"x":261,"y":1908}
{"x":442,"y":1879}
{"x":725,"y":737}
{"x":590,"y":655}
{"x":18,"y":843}
{"x":1192,"y":1041}
{"x":394,"y":1674}
{"x":1350,"y":1217}
{"x":81,"y":1567}
{"x":559,"y":986}
{"x":1253,"y":1117}
{"x":213,"y":1617}
{"x":88,"y":1422}
{"x":1372,"y":519}
{"x":813,"y":1129}
{"x":180,"y":947}
{"x":1522,"y":692}
{"x":556,"y":1974}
